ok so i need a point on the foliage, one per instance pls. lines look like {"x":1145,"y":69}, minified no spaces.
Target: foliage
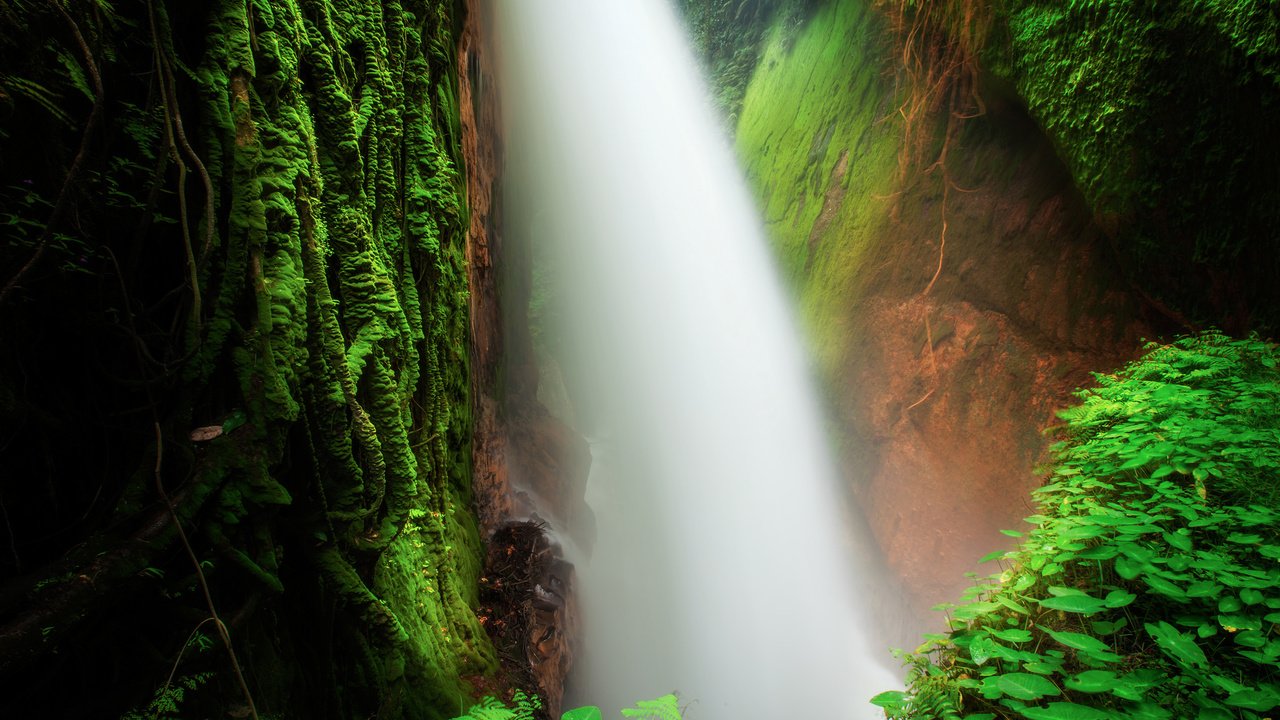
{"x":524,"y":706}
{"x":1149,"y":586}
{"x":168,"y":699}
{"x":1164,"y":114}
{"x":664,"y":708}
{"x":728,"y":35}
{"x":250,"y":216}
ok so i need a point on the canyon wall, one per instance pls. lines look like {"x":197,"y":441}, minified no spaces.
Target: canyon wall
{"x":950,"y":309}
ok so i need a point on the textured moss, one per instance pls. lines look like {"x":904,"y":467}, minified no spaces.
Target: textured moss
{"x":810,"y":124}
{"x":328,"y":308}
{"x":1165,"y":114}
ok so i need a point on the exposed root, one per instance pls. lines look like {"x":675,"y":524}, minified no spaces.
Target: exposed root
{"x":937,"y":72}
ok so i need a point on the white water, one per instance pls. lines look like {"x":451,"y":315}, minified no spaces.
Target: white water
{"x":722,"y":567}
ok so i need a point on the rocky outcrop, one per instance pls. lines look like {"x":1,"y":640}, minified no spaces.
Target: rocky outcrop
{"x":951,"y":311}
{"x":528,"y":466}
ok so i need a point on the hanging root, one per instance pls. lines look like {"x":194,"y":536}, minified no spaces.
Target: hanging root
{"x":204,"y":583}
{"x":938,"y":42}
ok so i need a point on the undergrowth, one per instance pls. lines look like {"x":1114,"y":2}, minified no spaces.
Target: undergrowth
{"x":1149,"y":586}
{"x":526,"y":707}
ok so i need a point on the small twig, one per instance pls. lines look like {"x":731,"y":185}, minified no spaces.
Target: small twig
{"x":204,"y":583}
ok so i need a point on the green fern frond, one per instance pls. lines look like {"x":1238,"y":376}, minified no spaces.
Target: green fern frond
{"x":41,"y":95}
{"x":664,"y":708}
{"x":490,"y":708}
{"x":526,"y":705}
{"x":75,"y":74}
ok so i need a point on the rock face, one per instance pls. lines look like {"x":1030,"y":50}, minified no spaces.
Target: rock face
{"x":529,"y":466}
{"x":951,"y":317}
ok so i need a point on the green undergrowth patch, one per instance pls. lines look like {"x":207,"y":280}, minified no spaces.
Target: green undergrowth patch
{"x":528,"y":707}
{"x":1149,"y":586}
{"x":819,"y":160}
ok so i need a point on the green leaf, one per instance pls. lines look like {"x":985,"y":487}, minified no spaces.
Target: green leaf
{"x":1251,"y":596}
{"x":1025,"y":686}
{"x":1179,"y":541}
{"x":981,"y":650}
{"x":1093,"y":681}
{"x":1128,"y":568}
{"x":1181,"y":648}
{"x":1009,"y":603}
{"x":1107,"y":627}
{"x":1148,"y":711}
{"x":1078,"y":641}
{"x":1014,"y":635}
{"x":588,"y":712}
{"x":889,"y":699}
{"x":1047,"y":666}
{"x":1010,"y":533}
{"x":664,"y":708}
{"x":1066,"y":711}
{"x":1164,"y":587}
{"x":1099,"y":552}
{"x":1119,"y":598}
{"x":1084,"y":604}
{"x":1203,"y":588}
{"x":1229,"y":604}
{"x":1261,"y":699}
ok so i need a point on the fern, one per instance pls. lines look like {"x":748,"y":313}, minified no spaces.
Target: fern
{"x":663,"y":708}
{"x":491,"y":708}
{"x":41,"y":95}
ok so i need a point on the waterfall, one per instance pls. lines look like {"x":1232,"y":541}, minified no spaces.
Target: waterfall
{"x":724,"y":566}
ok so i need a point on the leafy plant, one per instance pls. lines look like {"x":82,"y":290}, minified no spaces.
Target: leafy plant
{"x":664,"y":708}
{"x":168,"y":700}
{"x":1149,"y":586}
{"x":525,"y":707}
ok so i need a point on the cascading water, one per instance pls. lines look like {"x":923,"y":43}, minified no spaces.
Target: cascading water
{"x":723,"y":566}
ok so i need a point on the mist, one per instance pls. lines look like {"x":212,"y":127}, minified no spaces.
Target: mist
{"x":724,"y":567}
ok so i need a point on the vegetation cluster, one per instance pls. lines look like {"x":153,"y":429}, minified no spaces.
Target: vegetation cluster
{"x":1149,"y":586}
{"x":728,"y":35}
{"x":1164,"y":113}
{"x":524,"y":707}
{"x":234,"y":392}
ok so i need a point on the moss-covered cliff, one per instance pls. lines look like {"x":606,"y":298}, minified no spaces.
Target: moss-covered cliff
{"x":951,"y":309}
{"x":977,"y":202}
{"x":1165,"y":115}
{"x":234,"y":297}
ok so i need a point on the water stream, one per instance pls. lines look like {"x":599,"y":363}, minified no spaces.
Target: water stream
{"x":723,"y":566}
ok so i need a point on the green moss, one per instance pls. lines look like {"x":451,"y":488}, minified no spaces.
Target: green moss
{"x":1165,"y":115}
{"x":334,"y":314}
{"x":821,"y":160}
